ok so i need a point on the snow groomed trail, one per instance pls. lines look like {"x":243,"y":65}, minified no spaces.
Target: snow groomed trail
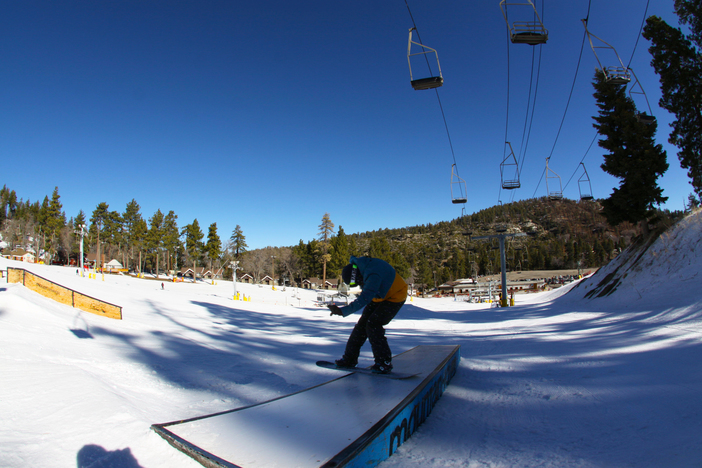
{"x":352,"y":421}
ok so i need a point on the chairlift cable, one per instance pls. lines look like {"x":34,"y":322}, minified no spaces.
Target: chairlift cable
{"x":583,"y":159}
{"x":577,"y":68}
{"x":525,"y":143}
{"x":441,"y":107}
{"x":507,"y":110}
{"x":638,"y":36}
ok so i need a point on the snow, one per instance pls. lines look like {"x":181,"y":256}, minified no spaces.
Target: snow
{"x":560,"y":379}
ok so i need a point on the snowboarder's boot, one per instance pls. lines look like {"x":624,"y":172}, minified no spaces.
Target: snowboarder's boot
{"x":344,"y":363}
{"x":384,"y":367}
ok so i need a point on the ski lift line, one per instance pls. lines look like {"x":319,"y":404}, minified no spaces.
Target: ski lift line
{"x":570,"y":96}
{"x":441,"y":107}
{"x":507,"y":110}
{"x":583,"y":159}
{"x":525,"y":141}
{"x":638,"y":36}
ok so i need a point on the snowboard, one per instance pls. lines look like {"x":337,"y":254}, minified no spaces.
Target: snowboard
{"x":365,"y":370}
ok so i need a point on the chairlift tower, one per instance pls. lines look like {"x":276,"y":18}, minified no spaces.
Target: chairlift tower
{"x":503,"y":260}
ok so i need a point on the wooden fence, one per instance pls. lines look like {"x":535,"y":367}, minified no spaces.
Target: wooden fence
{"x":63,"y":294}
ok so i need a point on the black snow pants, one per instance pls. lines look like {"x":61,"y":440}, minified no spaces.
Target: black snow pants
{"x":370,"y":326}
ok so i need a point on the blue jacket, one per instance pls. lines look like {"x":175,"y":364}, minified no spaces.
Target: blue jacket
{"x":380,"y":283}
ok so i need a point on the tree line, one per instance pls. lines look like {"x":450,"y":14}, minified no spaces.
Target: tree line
{"x":562,"y":234}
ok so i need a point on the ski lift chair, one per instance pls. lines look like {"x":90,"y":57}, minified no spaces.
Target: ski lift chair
{"x":553,"y":194}
{"x":584,"y":186}
{"x":644,"y":118}
{"x":509,"y":165}
{"x":423,"y":83}
{"x":459,"y":192}
{"x":636,"y":88}
{"x":617,"y":75}
{"x":620,"y":75}
{"x":525,"y":32}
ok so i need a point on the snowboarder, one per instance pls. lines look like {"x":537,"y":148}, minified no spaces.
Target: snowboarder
{"x":383,"y":293}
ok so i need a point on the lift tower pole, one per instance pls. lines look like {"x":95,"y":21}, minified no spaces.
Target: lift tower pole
{"x":503,"y":260}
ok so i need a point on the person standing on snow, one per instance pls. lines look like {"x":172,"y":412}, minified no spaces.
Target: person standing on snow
{"x":383,"y":294}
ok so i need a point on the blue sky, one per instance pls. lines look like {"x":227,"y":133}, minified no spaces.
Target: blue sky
{"x":268,"y":114}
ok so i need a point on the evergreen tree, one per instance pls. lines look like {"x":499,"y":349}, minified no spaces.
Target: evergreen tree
{"x":171,"y":239}
{"x":677,"y":59}
{"x":238,"y":243}
{"x":213,"y":248}
{"x":326,"y":229}
{"x":113,"y":235}
{"x":380,"y":248}
{"x":339,"y":253}
{"x":633,"y":155}
{"x":79,"y":224}
{"x":154,"y":238}
{"x":131,"y":222}
{"x":54,"y":220}
{"x":97,"y":221}
{"x":193,"y":242}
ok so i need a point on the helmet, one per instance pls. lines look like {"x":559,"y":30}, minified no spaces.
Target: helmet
{"x":351,"y":275}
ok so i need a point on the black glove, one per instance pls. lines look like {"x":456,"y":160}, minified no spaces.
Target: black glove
{"x":335,"y":310}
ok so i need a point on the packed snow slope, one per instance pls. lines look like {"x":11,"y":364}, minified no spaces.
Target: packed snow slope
{"x":606,"y":375}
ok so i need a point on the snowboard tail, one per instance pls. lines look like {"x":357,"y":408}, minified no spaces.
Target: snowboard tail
{"x":365,"y":370}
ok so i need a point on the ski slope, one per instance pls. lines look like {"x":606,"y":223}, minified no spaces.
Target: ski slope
{"x":558,"y":380}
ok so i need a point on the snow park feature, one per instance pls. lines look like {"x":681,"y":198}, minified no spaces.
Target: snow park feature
{"x":316,"y":428}
{"x":603,"y":372}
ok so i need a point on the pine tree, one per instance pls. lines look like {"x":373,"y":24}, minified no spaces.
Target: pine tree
{"x":54,"y":220}
{"x":131,"y":222}
{"x":339,"y":252}
{"x":154,"y":238}
{"x":97,"y":221}
{"x":171,"y":238}
{"x":193,"y":243}
{"x":326,"y":229}
{"x":213,"y":247}
{"x":238,"y":243}
{"x":633,"y":155}
{"x":677,"y":59}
